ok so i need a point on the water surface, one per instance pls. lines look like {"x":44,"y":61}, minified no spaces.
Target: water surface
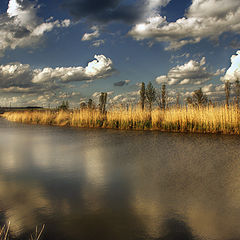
{"x":119,"y":185}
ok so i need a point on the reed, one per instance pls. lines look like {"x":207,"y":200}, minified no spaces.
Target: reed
{"x":4,"y":233}
{"x":220,"y":119}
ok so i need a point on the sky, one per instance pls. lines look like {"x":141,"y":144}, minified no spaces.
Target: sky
{"x":58,"y":50}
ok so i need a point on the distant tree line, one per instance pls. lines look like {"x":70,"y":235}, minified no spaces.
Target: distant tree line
{"x":149,"y":96}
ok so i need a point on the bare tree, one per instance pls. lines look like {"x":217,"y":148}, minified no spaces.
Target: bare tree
{"x":164,"y":96}
{"x":158,"y":98}
{"x":64,"y":106}
{"x":142,"y":95}
{"x":102,"y":102}
{"x":90,"y":103}
{"x":189,"y":101}
{"x":178,"y":99}
{"x":237,"y":91}
{"x":227,"y":92}
{"x":83,"y":105}
{"x":151,"y":95}
{"x":198,"y":98}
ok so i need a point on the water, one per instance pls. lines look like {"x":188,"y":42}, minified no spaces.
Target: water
{"x":118,"y":185}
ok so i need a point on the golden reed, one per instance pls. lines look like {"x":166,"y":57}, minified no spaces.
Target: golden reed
{"x":220,"y":119}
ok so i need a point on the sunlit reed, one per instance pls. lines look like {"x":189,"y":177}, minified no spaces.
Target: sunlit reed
{"x":4,"y":233}
{"x":220,"y":119}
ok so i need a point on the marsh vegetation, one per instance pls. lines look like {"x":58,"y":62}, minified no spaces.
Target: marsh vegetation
{"x":209,"y":119}
{"x":151,"y":113}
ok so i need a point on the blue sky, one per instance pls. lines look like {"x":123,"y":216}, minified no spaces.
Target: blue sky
{"x":52,"y":51}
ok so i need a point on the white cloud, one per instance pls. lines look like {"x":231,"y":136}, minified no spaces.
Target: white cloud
{"x":22,"y":14}
{"x":90,"y":36}
{"x":212,"y":8}
{"x":116,"y":98}
{"x":233,"y":73}
{"x":96,"y":94}
{"x":208,"y":88}
{"x":220,"y":87}
{"x":15,"y":90}
{"x":129,"y":97}
{"x":184,"y":81}
{"x":101,"y":67}
{"x":162,"y":79}
{"x":21,"y":27}
{"x":98,"y":43}
{"x":133,"y":93}
{"x":66,"y":23}
{"x":152,"y":6}
{"x":17,"y":77}
{"x":192,"y":72}
{"x":214,"y":92}
{"x":204,"y":19}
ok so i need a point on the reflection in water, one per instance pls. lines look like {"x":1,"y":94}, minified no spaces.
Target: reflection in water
{"x":18,"y":203}
{"x":176,"y":229}
{"x":104,"y":184}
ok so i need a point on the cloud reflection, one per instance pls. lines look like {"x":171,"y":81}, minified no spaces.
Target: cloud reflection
{"x":123,"y":185}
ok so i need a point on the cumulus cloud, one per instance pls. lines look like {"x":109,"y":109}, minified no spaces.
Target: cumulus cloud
{"x":117,"y":97}
{"x":233,"y":73}
{"x":214,"y":92}
{"x":121,"y":83}
{"x":127,"y":97}
{"x":101,"y":67}
{"x":162,"y":79}
{"x":96,"y":95}
{"x":21,"y":27}
{"x":17,"y":76}
{"x":90,"y":36}
{"x":208,"y":88}
{"x":192,"y":72}
{"x":204,"y":19}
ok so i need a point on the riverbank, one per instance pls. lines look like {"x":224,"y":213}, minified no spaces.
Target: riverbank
{"x":221,"y":119}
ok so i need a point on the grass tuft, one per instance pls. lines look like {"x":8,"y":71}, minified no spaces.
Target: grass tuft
{"x":4,"y":233}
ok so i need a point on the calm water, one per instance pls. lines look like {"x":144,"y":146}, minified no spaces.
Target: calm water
{"x":118,"y":185}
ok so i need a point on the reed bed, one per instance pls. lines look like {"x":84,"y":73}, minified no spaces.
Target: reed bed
{"x":220,"y":119}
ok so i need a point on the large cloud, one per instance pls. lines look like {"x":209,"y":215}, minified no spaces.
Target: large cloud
{"x":105,"y":11}
{"x":204,"y":19}
{"x":21,"y":27}
{"x":233,"y":73}
{"x":192,"y":72}
{"x":17,"y":76}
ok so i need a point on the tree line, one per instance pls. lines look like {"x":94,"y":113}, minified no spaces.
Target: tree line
{"x":150,"y":95}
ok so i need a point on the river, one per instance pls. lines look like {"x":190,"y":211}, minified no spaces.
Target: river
{"x":98,"y":184}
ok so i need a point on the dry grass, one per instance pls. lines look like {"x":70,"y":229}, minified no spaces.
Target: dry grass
{"x":4,"y":233}
{"x":220,"y":119}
